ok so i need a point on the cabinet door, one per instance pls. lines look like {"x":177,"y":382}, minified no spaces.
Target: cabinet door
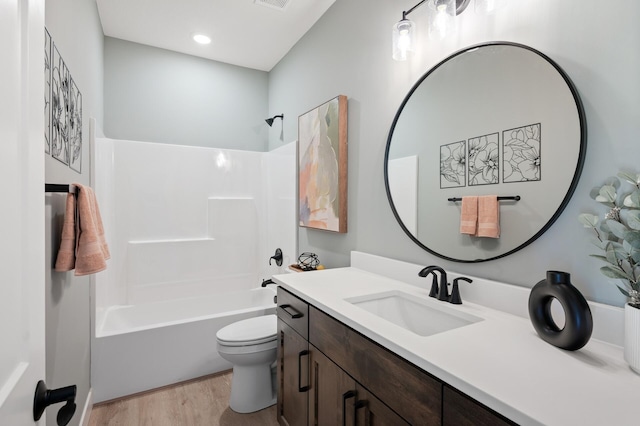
{"x":332,"y":394}
{"x":460,"y":410}
{"x":293,"y":376}
{"x":370,"y":411}
{"x":410,"y":392}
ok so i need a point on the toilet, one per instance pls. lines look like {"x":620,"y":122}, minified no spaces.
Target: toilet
{"x":251,"y":346}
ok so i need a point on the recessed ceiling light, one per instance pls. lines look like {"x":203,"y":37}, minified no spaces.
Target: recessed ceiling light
{"x":201,"y":39}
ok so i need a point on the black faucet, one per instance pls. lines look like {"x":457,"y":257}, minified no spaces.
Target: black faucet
{"x":455,"y":291}
{"x":267,"y":282}
{"x":434,"y":281}
{"x":441,"y":292}
{"x":277,"y":257}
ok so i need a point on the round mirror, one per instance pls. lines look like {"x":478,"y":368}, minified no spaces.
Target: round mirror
{"x":494,"y":119}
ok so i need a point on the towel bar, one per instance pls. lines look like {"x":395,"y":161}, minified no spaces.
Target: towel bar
{"x":512,"y":198}
{"x":57,"y":187}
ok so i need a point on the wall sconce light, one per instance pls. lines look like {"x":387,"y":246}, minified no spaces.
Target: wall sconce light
{"x":270,"y":120}
{"x":441,"y":15}
{"x":441,"y":19}
{"x":403,"y":36}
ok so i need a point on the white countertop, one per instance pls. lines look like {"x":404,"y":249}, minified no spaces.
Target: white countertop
{"x":499,"y":361}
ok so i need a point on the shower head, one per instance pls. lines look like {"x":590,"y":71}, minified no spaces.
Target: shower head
{"x":270,"y":120}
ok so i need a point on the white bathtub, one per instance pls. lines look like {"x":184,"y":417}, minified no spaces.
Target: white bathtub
{"x":142,"y":347}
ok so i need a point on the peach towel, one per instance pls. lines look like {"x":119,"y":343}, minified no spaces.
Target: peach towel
{"x":469,"y":215}
{"x":83,"y":244}
{"x":67,"y":254}
{"x":488,"y":217}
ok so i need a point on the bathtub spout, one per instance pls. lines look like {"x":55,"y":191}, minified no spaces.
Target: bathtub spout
{"x":267,"y":282}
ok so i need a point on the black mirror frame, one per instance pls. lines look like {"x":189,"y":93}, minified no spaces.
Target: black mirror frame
{"x":574,"y":181}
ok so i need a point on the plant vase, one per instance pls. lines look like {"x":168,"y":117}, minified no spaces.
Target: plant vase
{"x":632,"y":337}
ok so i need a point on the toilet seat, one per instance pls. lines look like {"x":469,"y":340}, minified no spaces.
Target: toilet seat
{"x":246,"y":349}
{"x":249,"y":332}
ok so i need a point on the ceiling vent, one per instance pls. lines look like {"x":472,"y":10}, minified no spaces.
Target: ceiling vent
{"x":274,"y":4}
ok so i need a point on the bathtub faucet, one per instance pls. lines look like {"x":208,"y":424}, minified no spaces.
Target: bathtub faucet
{"x":277,"y":257}
{"x":267,"y":282}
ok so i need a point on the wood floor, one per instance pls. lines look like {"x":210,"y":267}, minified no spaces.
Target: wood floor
{"x":200,"y":402}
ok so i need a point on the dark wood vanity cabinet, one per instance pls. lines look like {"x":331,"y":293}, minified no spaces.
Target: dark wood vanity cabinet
{"x":293,"y":352}
{"x":408,"y":391}
{"x":329,"y":374}
{"x":335,"y":398}
{"x":460,"y":410}
{"x":293,"y":359}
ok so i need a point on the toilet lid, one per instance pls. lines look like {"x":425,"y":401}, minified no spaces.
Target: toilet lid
{"x":250,"y":331}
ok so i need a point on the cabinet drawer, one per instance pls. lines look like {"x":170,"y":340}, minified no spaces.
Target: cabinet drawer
{"x":460,"y":410}
{"x":293,"y":311}
{"x":409,"y":391}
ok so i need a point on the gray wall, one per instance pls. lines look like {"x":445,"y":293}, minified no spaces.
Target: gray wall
{"x":75,"y":28}
{"x":349,"y":52}
{"x":156,"y":95}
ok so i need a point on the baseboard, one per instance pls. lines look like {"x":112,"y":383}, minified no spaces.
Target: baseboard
{"x":86,"y":411}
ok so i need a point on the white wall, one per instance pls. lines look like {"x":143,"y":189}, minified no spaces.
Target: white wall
{"x":280,"y":173}
{"x":349,"y":52}
{"x":76,"y":30}
{"x":157,"y":95}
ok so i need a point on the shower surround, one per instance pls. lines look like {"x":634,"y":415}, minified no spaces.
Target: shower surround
{"x":185,"y":225}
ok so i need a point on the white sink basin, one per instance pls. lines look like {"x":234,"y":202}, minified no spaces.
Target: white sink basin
{"x":422,"y":317}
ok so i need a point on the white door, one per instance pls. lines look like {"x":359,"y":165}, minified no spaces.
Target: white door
{"x":21,"y":208}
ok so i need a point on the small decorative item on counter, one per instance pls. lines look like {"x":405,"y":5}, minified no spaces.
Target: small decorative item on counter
{"x":308,"y":261}
{"x":578,"y":320}
{"x":618,"y":236}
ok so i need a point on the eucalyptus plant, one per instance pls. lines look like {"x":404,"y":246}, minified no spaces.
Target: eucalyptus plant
{"x":618,"y":235}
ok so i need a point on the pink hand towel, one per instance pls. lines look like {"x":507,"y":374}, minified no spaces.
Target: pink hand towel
{"x":91,"y":247}
{"x":83,"y":244}
{"x":469,"y":215}
{"x":66,"y":259}
{"x":488,"y":216}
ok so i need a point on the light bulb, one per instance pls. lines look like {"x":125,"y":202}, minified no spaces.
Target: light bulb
{"x":404,"y":41}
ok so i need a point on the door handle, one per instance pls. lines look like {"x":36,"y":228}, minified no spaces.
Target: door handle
{"x":44,"y":397}
{"x":300,"y":387}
